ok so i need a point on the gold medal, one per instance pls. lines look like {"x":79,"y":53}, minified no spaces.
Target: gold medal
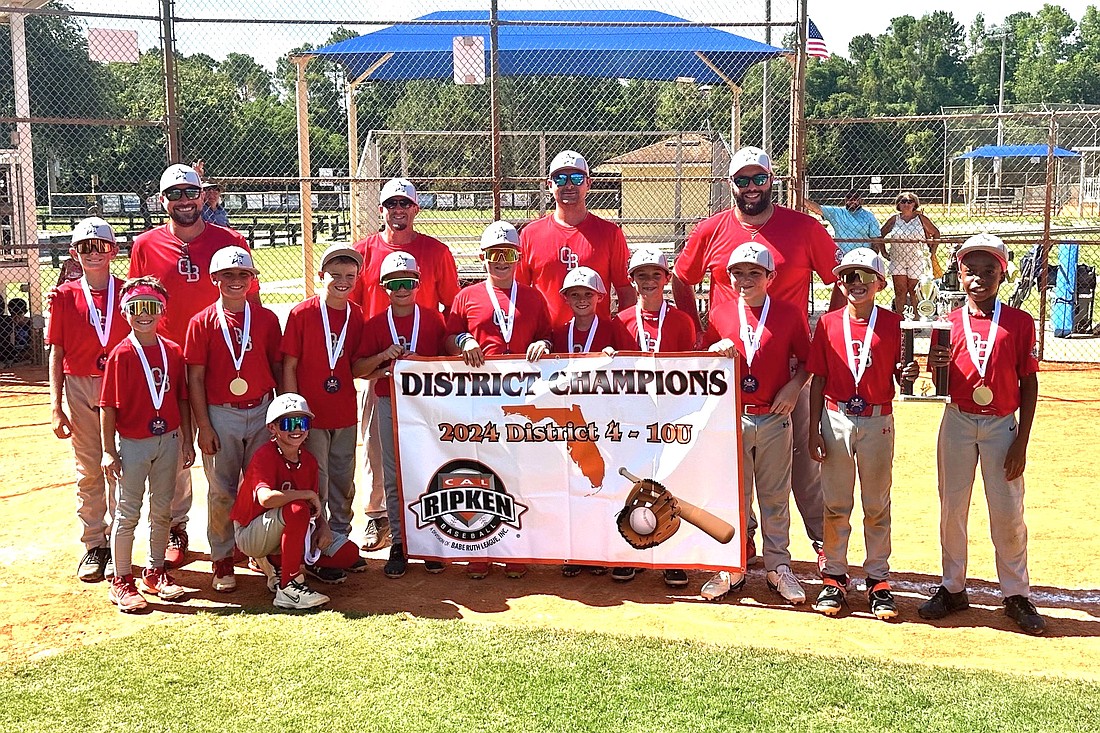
{"x":238,"y":386}
{"x":982,"y":395}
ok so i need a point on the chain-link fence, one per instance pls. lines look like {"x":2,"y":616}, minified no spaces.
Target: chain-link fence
{"x":655,"y":95}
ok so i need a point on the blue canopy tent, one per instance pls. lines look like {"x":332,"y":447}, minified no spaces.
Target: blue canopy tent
{"x":1015,"y":151}
{"x":994,"y":195}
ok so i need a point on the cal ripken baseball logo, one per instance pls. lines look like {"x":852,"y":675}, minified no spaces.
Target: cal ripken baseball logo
{"x":467,"y":506}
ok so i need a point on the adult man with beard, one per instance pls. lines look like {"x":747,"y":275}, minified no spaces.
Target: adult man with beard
{"x":800,"y":246}
{"x":398,"y":205}
{"x":178,"y":254}
{"x":852,"y":223}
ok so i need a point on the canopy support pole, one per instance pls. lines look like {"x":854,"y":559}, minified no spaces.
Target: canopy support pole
{"x":305,"y":186}
{"x":735,"y":107}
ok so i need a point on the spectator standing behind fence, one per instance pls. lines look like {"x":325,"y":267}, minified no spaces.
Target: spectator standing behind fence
{"x":800,"y":247}
{"x":912,"y":237}
{"x":178,"y":254}
{"x":212,"y":209}
{"x":571,"y":236}
{"x":850,"y":222}
{"x":398,"y":205}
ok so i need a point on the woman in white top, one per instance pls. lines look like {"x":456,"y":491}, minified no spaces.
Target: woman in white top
{"x":912,"y":237}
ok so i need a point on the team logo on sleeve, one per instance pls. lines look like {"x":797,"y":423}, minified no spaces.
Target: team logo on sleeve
{"x":467,"y":506}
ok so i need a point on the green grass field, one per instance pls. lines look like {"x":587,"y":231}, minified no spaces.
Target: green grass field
{"x":329,"y":672}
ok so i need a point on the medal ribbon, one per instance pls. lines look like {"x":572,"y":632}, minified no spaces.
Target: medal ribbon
{"x":865,"y":352}
{"x":245,"y":334}
{"x":156,"y":395}
{"x":103,"y":331}
{"x":416,"y":327}
{"x":507,"y":322}
{"x":751,"y":338}
{"x":981,"y":364}
{"x":641,"y":326}
{"x":591,"y":335}
{"x":332,"y":352}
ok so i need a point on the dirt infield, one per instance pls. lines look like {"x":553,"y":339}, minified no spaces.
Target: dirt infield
{"x":48,"y":610}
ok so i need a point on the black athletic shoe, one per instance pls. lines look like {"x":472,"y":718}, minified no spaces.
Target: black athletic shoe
{"x":396,"y":565}
{"x":1021,"y":610}
{"x":623,"y":575}
{"x":332,"y":576}
{"x":676,"y":578}
{"x":943,"y":604}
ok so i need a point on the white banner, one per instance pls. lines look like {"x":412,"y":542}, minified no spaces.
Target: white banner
{"x":520,"y":462}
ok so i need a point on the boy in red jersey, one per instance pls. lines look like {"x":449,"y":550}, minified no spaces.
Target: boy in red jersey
{"x":85,"y":325}
{"x":403,"y":328}
{"x":498,"y":316}
{"x":233,"y":364}
{"x":323,"y":339}
{"x":278,"y":515}
{"x":146,"y":437}
{"x":992,"y":372}
{"x":764,"y":335}
{"x":855,"y":360}
{"x":588,"y":332}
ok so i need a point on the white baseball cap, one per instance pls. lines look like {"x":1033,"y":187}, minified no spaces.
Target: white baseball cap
{"x":287,"y":404}
{"x":341,"y":250}
{"x":861,"y":258}
{"x":583,"y":277}
{"x":985,"y":242}
{"x":499,"y":233}
{"x":232,"y":258}
{"x":397,"y":188}
{"x":93,"y":228}
{"x":179,"y":175}
{"x":749,"y":156}
{"x":568,"y":159}
{"x":398,"y":263}
{"x":646,"y":256}
{"x":752,"y":253}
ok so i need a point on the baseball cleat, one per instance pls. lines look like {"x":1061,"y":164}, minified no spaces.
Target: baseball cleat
{"x":831,"y":598}
{"x":721,"y":584}
{"x":943,"y":603}
{"x":297,"y":596}
{"x":158,"y":582}
{"x":784,"y":582}
{"x":125,"y":595}
{"x":224,"y":580}
{"x":881,"y":600}
{"x":1021,"y":610}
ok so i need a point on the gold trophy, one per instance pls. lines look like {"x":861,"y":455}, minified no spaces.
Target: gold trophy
{"x":929,"y":317}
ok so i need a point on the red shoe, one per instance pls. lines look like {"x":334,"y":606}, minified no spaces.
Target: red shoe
{"x":477,"y":570}
{"x":176,"y":553}
{"x":124,"y":594}
{"x":515,"y":569}
{"x":158,"y":582}
{"x":224,"y":581}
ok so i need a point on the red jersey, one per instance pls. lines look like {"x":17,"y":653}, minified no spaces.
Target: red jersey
{"x":305,"y":339}
{"x":549,"y":250}
{"x":677,"y":333}
{"x":785,"y":335}
{"x":1013,"y":358}
{"x":160,"y":253}
{"x":438,"y":273}
{"x":269,"y":469}
{"x":609,"y":332}
{"x":829,"y":357}
{"x":472,"y":312}
{"x":429,"y":340}
{"x":126,"y":389}
{"x":206,"y":346}
{"x":71,"y":327}
{"x":799,"y":244}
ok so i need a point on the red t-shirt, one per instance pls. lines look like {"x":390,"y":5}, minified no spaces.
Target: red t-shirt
{"x":125,"y":388}
{"x":785,"y":335}
{"x":429,"y":342}
{"x":1013,"y":358}
{"x":71,"y":327}
{"x":609,"y":332}
{"x":798,"y":243}
{"x":269,"y":469}
{"x":829,"y":358}
{"x":677,"y":334}
{"x":158,"y":252}
{"x":438,"y":273}
{"x":473,"y":312}
{"x":206,"y":345}
{"x":305,"y":339}
{"x":549,"y":250}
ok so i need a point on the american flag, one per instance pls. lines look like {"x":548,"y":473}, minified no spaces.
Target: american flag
{"x":815,"y":44}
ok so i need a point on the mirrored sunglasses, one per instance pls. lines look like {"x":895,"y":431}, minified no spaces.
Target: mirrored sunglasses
{"x":504,"y":254}
{"x":562,"y":179}
{"x":759,"y":179}
{"x":175,"y":194}
{"x":99,"y":246}
{"x":402,"y":283}
{"x":397,"y":203}
{"x":294,"y":423}
{"x":859,"y":276}
{"x":141,"y":307}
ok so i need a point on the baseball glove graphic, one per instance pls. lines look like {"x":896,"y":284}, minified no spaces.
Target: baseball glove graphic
{"x":651,"y":514}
